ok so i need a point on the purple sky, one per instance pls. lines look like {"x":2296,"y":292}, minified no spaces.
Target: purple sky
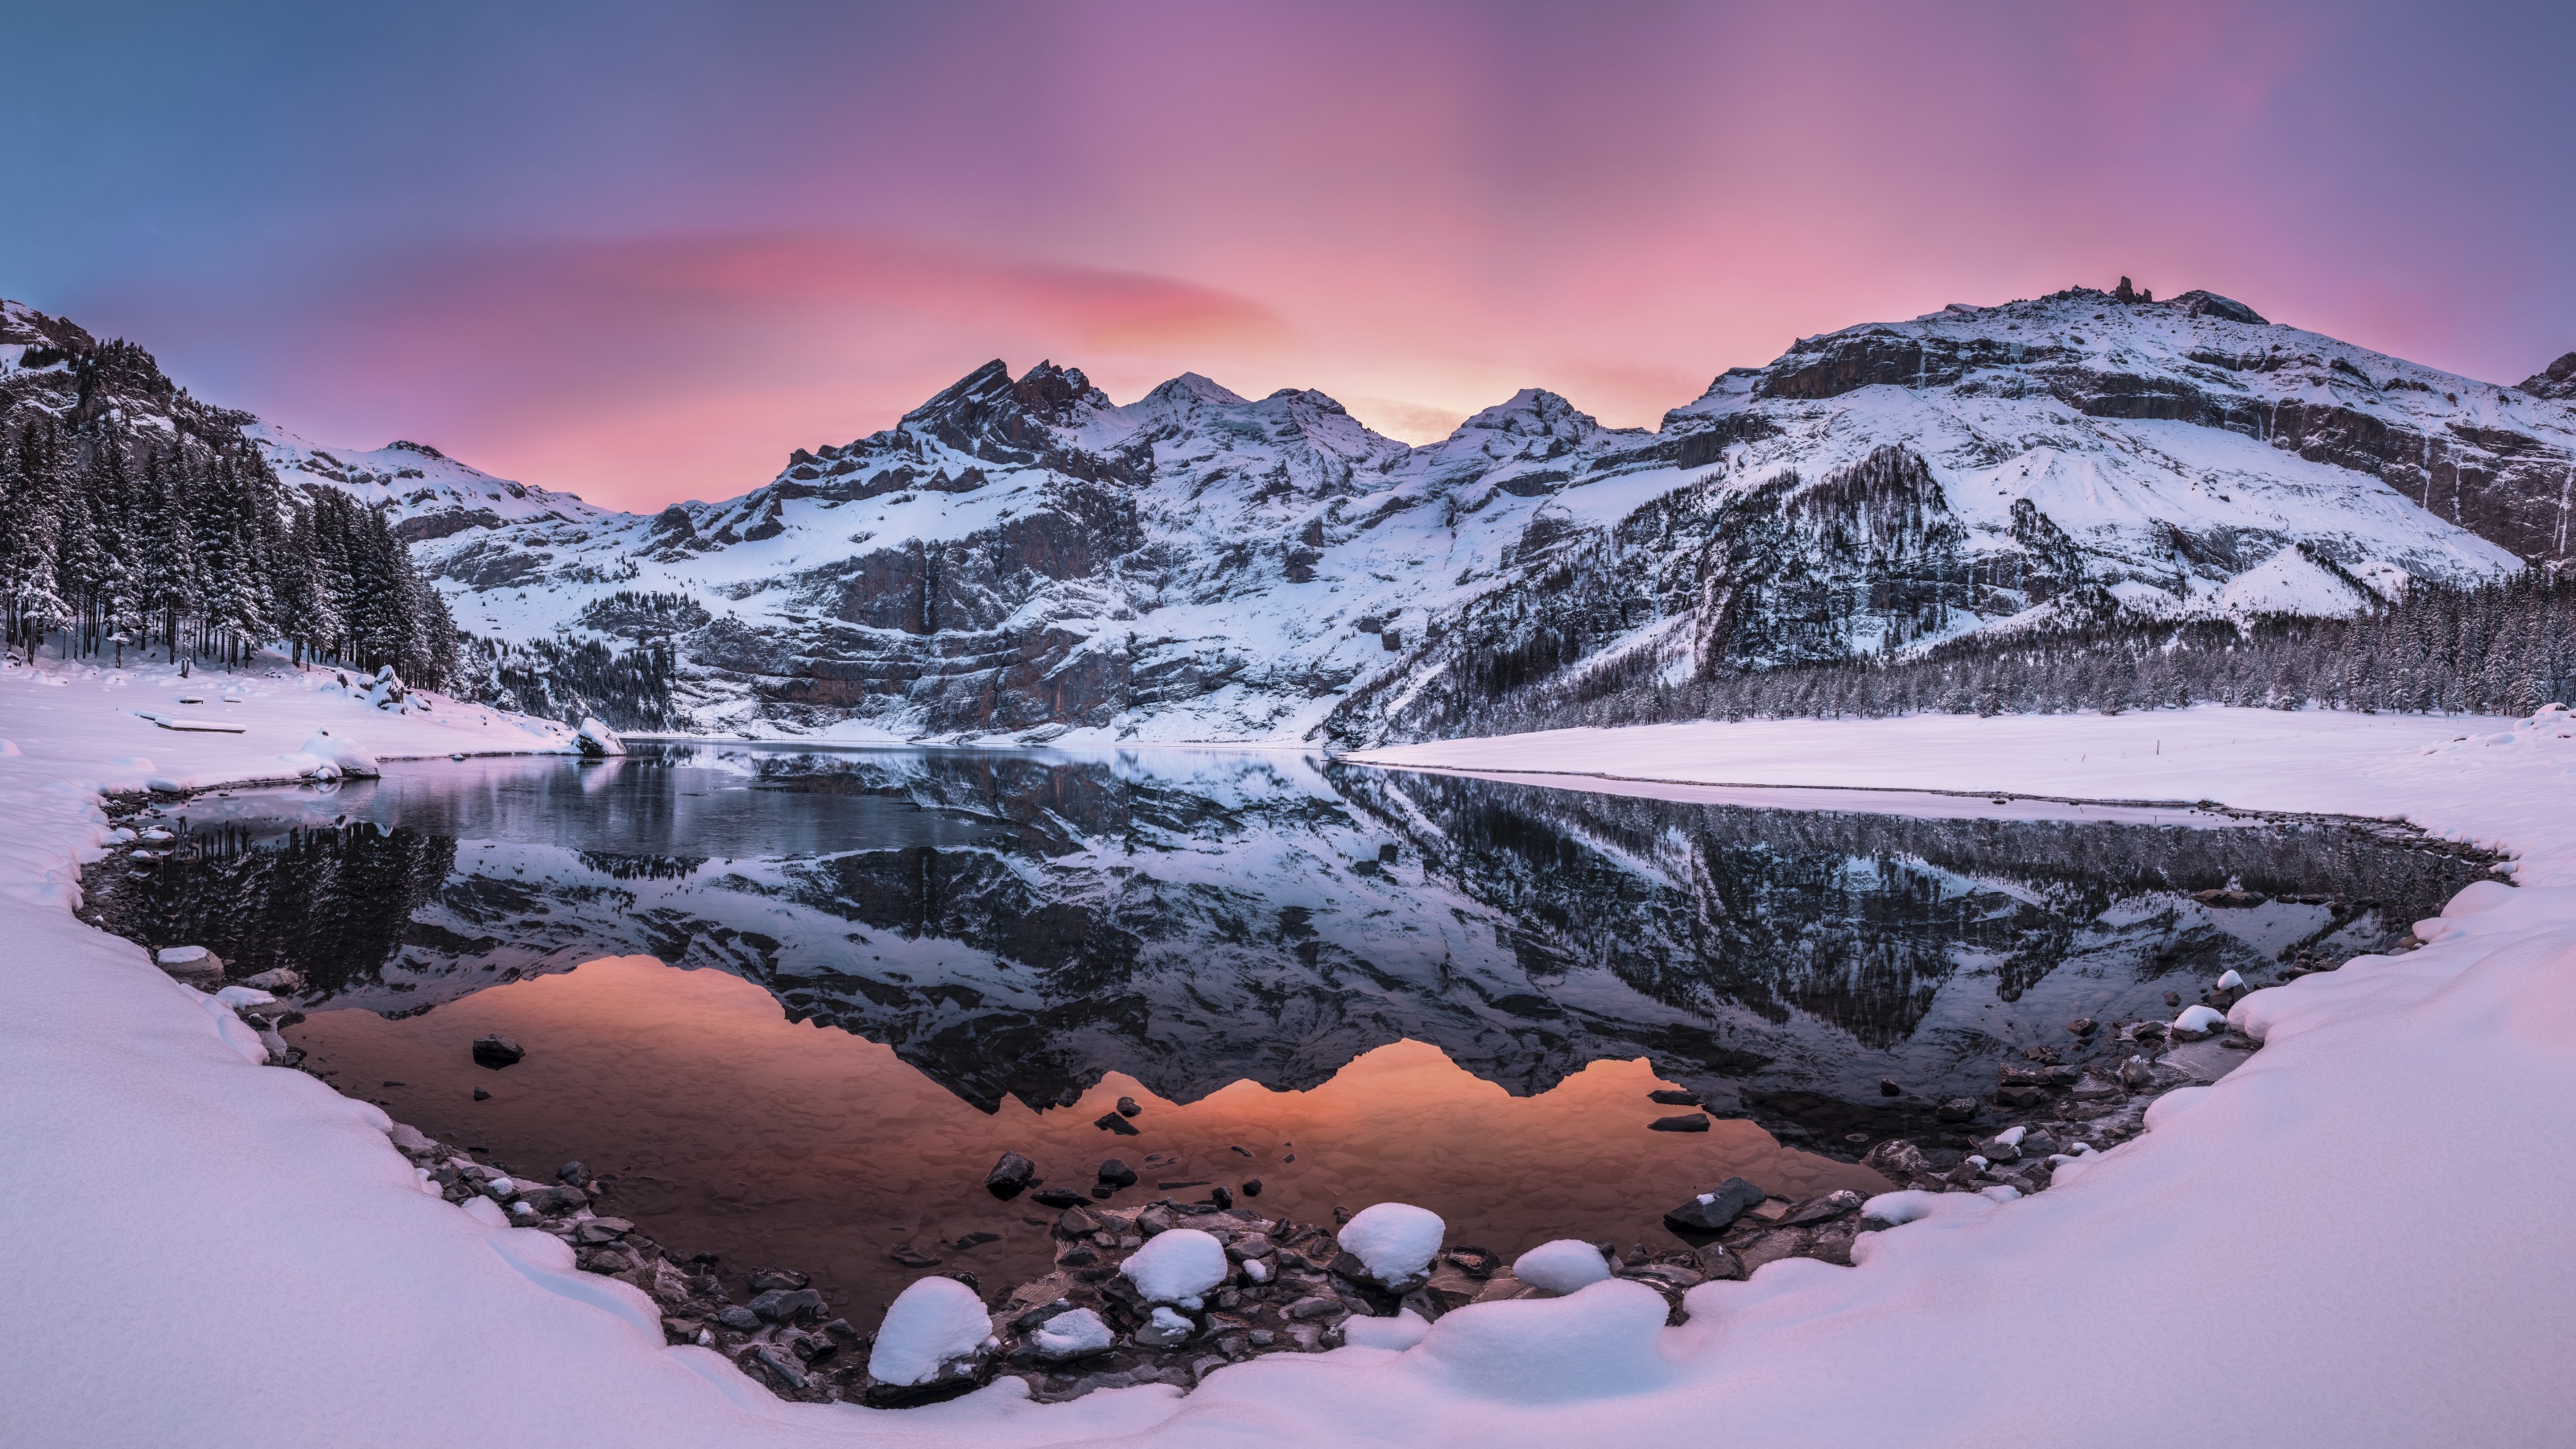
{"x":642,"y":251}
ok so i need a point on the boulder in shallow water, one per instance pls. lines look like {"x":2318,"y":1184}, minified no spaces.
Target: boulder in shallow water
{"x":597,"y":739}
{"x":1010,"y":1176}
{"x":1713,"y":1210}
{"x":497,"y":1051}
{"x":189,"y":962}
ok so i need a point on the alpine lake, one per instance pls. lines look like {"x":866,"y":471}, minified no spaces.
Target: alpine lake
{"x":789,"y":1005}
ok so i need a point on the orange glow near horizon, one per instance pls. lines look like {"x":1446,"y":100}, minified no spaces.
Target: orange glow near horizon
{"x":1416,"y":209}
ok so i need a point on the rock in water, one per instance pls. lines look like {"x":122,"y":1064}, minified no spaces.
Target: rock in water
{"x":1010,"y":1176}
{"x":596,"y":739}
{"x":1112,"y":1122}
{"x":497,"y":1051}
{"x":1127,"y":1107}
{"x":1115,"y":1173}
{"x":1686,"y":1122}
{"x":1822,"y":1209}
{"x":1713,"y":1210}
{"x":189,"y":961}
{"x":1896,"y":1159}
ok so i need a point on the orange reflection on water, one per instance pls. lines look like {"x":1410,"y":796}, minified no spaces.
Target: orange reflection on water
{"x":732,"y":1130}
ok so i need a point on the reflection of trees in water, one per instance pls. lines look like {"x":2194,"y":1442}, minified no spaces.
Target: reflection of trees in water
{"x":333,"y":903}
{"x":641,"y":867}
{"x":1858,"y":920}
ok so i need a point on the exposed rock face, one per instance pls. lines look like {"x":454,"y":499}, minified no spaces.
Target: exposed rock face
{"x":2558,"y":380}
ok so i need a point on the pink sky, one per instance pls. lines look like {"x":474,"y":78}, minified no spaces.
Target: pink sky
{"x":1415,"y":209}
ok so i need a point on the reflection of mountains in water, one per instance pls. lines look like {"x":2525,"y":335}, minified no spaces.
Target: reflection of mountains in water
{"x":1013,"y":924}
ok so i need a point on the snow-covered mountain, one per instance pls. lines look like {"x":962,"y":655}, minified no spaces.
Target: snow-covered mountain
{"x":429,"y":494}
{"x":1022,"y":558}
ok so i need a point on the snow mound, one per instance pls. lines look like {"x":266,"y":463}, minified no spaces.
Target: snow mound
{"x":1898,"y":1208}
{"x":341,"y":755}
{"x":1177,"y":1265}
{"x":1396,"y":1240}
{"x":934,"y":1322}
{"x":1562,"y":1266}
{"x":1401,"y":1332}
{"x":1597,"y":1344}
{"x":598,"y":739}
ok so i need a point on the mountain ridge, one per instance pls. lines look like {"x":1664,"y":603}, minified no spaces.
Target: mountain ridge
{"x":1021,"y":557}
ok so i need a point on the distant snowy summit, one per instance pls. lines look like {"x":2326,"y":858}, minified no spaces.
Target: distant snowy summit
{"x":429,"y":494}
{"x":1021,"y":558}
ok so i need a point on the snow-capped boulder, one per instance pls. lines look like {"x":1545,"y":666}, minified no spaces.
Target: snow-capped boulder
{"x":1561,"y":1266}
{"x":1178,"y":1265}
{"x":1075,"y":1333}
{"x":935,"y":1329}
{"x":189,"y":962}
{"x":2199,"y":1021}
{"x":343,"y":757}
{"x":1397,"y":1241}
{"x":598,"y":739}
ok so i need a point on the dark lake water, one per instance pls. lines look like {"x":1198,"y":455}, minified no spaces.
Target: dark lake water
{"x":796,"y":1001}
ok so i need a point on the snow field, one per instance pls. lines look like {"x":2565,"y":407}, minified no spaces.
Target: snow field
{"x":2248,"y":1246}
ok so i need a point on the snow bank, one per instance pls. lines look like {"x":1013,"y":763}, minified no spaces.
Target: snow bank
{"x":934,"y":1322}
{"x":1561,"y":1266}
{"x":1396,"y":1240}
{"x":317,"y":1296}
{"x":1176,"y":1266}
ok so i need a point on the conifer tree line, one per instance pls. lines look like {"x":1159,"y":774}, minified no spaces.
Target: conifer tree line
{"x":2501,"y":648}
{"x":187,"y":543}
{"x":630,"y":689}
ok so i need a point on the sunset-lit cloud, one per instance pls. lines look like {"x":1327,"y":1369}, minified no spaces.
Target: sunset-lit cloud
{"x":643,"y":260}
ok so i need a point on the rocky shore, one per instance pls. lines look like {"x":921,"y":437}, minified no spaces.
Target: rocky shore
{"x":1115,"y":1311}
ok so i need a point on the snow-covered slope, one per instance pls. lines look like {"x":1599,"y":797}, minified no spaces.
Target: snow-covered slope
{"x":430,"y":495}
{"x":1023,"y":557}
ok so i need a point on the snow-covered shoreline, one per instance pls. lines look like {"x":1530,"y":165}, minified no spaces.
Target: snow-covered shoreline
{"x":2258,"y":1268}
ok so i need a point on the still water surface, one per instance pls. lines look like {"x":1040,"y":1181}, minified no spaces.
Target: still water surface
{"x":796,"y":1002}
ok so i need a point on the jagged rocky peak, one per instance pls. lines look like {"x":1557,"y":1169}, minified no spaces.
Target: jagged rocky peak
{"x":2557,"y":381}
